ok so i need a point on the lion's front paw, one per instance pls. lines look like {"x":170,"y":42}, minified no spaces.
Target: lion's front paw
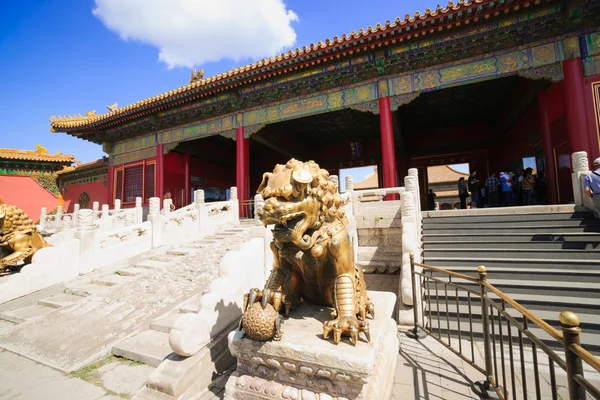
{"x":348,"y":325}
{"x":266,"y":296}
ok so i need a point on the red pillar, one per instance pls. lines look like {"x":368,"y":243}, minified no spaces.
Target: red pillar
{"x":160,"y":172}
{"x":110,"y":182}
{"x":242,"y":168}
{"x":549,"y":167}
{"x":188,"y":180}
{"x":575,"y":109}
{"x":388,"y":153}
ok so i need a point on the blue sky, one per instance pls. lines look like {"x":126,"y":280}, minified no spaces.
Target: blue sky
{"x":59,"y":58}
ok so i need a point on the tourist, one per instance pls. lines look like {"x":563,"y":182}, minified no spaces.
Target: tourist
{"x":167,"y":196}
{"x":431,"y":200}
{"x":492,"y":185}
{"x":508,"y":196}
{"x":463,"y":193}
{"x":473,"y":187}
{"x":528,"y":185}
{"x":591,"y":184}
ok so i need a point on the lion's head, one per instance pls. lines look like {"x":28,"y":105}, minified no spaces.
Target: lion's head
{"x":299,"y":199}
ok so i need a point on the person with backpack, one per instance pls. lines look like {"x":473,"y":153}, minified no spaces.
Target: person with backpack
{"x":591,"y":184}
{"x":473,"y":186}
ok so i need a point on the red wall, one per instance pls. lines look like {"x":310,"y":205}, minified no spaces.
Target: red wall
{"x":96,"y":190}
{"x":27,"y":194}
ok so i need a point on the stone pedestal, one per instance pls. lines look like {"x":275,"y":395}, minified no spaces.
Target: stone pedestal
{"x":304,"y":366}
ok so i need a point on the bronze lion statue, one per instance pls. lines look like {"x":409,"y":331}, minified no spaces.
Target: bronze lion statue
{"x":19,"y":238}
{"x":313,"y":256}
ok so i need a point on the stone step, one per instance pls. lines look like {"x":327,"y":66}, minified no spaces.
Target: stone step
{"x":164,"y":323}
{"x":164,"y":258}
{"x":214,"y":238}
{"x":191,"y":377}
{"x":579,"y":289}
{"x":152,"y":264}
{"x":505,"y":244}
{"x":512,"y":237}
{"x":589,"y":340}
{"x":181,"y":251}
{"x":541,"y":218}
{"x":534,"y":302}
{"x":522,"y":263}
{"x":24,"y":314}
{"x":112,"y":280}
{"x":88,"y":289}
{"x":530,"y":253}
{"x":133,"y":271}
{"x":552,"y":274}
{"x":148,"y":347}
{"x":59,"y":300}
{"x":515,"y":210}
{"x":523,"y":227}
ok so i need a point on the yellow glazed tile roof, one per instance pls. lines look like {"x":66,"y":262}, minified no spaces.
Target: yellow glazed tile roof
{"x":101,"y":162}
{"x":233,"y":78}
{"x":40,"y":154}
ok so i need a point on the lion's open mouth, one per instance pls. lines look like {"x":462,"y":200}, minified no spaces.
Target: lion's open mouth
{"x":290,"y":221}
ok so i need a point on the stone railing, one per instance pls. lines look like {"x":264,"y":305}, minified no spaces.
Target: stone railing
{"x":102,"y":217}
{"x":99,"y":249}
{"x":580,"y":171}
{"x":197,"y":219}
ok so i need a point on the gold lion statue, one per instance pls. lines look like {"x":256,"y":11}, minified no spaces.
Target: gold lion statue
{"x":19,"y":238}
{"x":313,"y":256}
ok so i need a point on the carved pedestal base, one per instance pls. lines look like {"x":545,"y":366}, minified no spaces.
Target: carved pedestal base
{"x":304,"y":366}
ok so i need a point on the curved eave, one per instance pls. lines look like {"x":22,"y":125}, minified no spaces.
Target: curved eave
{"x":401,"y":31}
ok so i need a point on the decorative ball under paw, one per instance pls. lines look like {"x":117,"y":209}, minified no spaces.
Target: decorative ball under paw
{"x":260,"y":324}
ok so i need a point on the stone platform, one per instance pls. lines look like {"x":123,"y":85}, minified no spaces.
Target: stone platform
{"x":305,"y":366}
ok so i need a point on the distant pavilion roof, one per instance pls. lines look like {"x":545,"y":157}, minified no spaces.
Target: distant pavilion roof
{"x":407,"y":29}
{"x":38,"y":155}
{"x":443,"y":174}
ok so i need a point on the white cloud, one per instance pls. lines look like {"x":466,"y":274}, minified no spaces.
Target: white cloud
{"x":192,"y":32}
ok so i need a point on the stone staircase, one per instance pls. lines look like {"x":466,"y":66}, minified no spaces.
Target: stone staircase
{"x":126,"y":309}
{"x":547,"y":262}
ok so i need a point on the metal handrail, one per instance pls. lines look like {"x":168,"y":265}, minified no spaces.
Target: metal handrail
{"x":497,"y":325}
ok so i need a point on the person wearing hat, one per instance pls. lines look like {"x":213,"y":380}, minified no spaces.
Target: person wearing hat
{"x":591,"y":184}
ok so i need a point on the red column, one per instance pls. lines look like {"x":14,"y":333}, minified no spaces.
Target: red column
{"x":110,"y":182}
{"x":388,"y":153}
{"x":242,"y":167}
{"x":160,"y":172}
{"x":549,"y":167}
{"x":575,"y":116}
{"x":188,"y":180}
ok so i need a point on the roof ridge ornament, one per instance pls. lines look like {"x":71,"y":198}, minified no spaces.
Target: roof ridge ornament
{"x":197,"y":75}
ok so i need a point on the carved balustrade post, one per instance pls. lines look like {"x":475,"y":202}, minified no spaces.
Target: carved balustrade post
{"x":76,"y":214}
{"x":59,"y":215}
{"x":43,"y":216}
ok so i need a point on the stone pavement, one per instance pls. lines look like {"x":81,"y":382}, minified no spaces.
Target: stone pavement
{"x":70,"y":330}
{"x":428,"y":370}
